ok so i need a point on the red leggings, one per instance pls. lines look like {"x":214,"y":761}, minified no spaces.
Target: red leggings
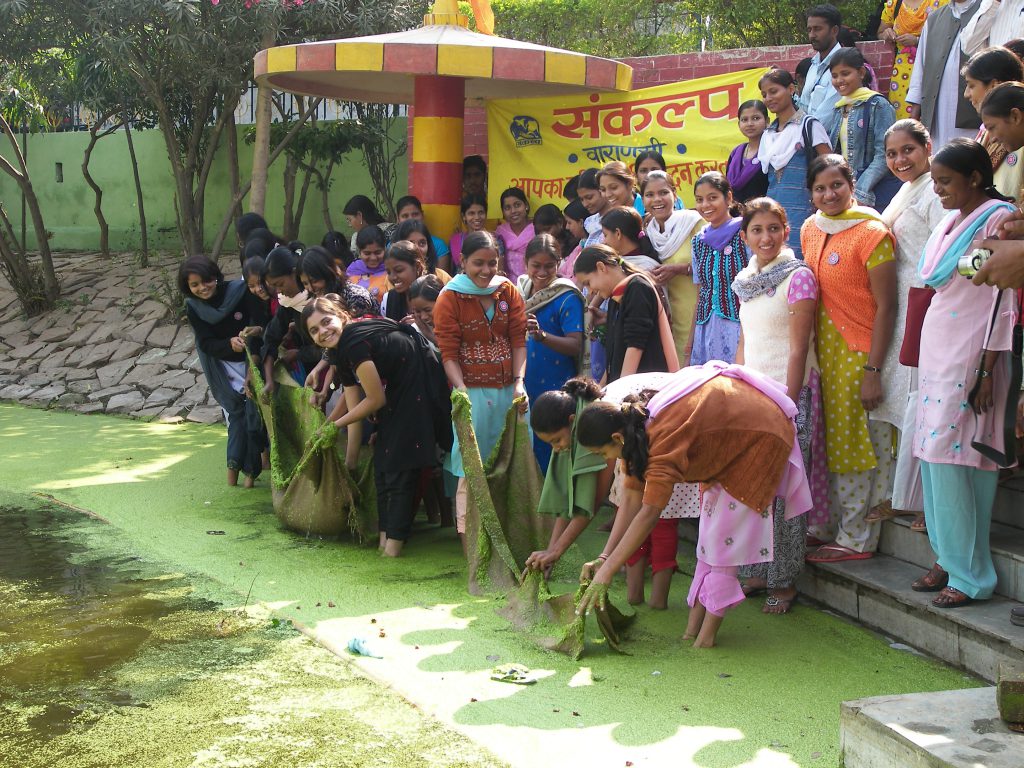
{"x":660,"y":547}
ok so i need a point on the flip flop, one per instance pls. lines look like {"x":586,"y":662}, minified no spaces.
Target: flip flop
{"x":842,"y":554}
{"x":516,"y":674}
{"x":749,"y":591}
{"x":919,"y":525}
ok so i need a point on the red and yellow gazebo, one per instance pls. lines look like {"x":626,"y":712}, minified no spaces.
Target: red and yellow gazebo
{"x":436,"y":69}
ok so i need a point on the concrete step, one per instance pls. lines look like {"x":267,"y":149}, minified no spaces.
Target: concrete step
{"x":877,"y":593}
{"x":1007,"y":546}
{"x":1009,"y":506}
{"x":947,"y":729}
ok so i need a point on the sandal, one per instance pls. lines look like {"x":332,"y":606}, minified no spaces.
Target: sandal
{"x":884,"y":511}
{"x":836,"y":553}
{"x":933,"y":581}
{"x":951,"y":598}
{"x":919,"y":525}
{"x":516,"y":674}
{"x":774,"y":604}
{"x":751,"y":591}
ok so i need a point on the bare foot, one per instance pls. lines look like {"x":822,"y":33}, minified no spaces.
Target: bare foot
{"x":703,"y":643}
{"x":658,"y":606}
{"x":232,"y":477}
{"x":393,"y":548}
{"x":687,"y":636}
{"x":249,"y":481}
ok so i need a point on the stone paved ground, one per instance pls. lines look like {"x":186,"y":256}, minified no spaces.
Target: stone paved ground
{"x":109,"y":346}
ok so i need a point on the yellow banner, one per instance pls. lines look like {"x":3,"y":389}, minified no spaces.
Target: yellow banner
{"x":539,"y":144}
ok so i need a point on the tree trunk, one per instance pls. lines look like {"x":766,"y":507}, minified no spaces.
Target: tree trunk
{"x":228,"y":220}
{"x":233,"y":173}
{"x":209,"y":154}
{"x":94,"y":136}
{"x":288,"y":177}
{"x":300,"y":206}
{"x":144,"y":261}
{"x":261,"y":145}
{"x":51,"y":288}
{"x":325,"y":196}
{"x":16,"y":267}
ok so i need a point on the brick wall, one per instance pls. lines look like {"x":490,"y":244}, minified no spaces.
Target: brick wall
{"x":656,"y":70}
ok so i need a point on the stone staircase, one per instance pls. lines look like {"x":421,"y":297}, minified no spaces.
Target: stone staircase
{"x":877,"y":593}
{"x":946,"y":729}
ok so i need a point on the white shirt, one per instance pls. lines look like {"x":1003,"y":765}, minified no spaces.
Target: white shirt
{"x":819,"y":97}
{"x":943,"y":127}
{"x":995,"y":23}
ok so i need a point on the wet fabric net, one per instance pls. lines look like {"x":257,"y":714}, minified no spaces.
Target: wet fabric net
{"x":503,"y":528}
{"x":313,"y":491}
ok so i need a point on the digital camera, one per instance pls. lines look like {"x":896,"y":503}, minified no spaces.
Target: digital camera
{"x":969,"y":264}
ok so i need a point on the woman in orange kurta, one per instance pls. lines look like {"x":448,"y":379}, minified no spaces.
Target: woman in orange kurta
{"x":851,"y":253}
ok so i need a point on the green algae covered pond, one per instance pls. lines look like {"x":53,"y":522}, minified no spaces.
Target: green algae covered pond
{"x":109,"y":661}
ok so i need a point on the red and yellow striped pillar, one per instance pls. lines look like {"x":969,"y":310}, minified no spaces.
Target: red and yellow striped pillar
{"x":437,"y":126}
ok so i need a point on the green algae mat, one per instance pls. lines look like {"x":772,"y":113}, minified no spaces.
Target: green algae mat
{"x":109,"y":661}
{"x":767,"y":696}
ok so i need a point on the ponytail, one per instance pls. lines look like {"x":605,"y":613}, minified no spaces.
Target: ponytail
{"x":631,"y":225}
{"x":552,"y":410}
{"x":600,"y":420}
{"x":593,"y":255}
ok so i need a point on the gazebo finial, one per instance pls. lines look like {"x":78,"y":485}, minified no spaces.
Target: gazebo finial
{"x":446,"y":13}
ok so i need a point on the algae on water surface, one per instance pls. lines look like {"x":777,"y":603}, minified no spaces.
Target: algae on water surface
{"x":108,"y":661}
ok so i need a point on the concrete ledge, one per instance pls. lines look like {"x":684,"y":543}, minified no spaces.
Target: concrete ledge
{"x":954,"y":729}
{"x":877,"y":593}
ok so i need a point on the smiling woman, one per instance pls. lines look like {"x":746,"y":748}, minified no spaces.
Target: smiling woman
{"x":409,"y":412}
{"x":851,"y":253}
{"x":221,"y":315}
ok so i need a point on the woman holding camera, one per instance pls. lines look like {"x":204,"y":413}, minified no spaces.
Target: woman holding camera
{"x":963,"y":376}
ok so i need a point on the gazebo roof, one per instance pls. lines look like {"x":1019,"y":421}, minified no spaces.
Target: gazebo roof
{"x":381,"y":68}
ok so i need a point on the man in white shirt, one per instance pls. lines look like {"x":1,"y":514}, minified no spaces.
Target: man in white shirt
{"x":996,"y":23}
{"x":938,"y":100}
{"x":818,"y":98}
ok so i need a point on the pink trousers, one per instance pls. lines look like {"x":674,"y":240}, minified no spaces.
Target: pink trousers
{"x":716,"y":587}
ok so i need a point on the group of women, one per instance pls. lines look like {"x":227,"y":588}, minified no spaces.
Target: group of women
{"x":768,"y":363}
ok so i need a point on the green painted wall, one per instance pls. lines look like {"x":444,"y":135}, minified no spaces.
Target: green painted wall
{"x":68,"y":206}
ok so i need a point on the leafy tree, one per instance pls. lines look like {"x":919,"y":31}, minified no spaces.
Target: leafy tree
{"x":36,"y":286}
{"x":621,"y":28}
{"x":191,"y":60}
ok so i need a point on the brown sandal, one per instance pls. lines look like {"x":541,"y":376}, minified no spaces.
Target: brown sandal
{"x":933,"y":581}
{"x":951,"y":598}
{"x":884,"y":511}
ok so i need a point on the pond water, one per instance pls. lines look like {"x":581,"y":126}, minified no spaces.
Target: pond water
{"x":109,"y":661}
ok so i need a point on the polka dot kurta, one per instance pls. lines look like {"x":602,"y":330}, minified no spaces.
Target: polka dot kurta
{"x":847,"y":441}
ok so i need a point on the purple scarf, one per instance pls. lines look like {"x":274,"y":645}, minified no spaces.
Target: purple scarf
{"x":719,"y":237}
{"x":358,"y":268}
{"x":740,"y":171}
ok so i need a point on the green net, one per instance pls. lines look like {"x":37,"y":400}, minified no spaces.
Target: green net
{"x":551,"y":620}
{"x":313,"y":491}
{"x":502,"y":524}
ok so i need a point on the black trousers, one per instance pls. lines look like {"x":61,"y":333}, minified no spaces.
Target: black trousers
{"x":396,"y":494}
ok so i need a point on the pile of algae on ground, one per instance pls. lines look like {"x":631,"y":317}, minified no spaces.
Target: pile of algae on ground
{"x":142,"y":669}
